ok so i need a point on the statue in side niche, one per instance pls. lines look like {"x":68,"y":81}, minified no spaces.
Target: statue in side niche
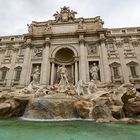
{"x":36,"y":75}
{"x":94,"y":72}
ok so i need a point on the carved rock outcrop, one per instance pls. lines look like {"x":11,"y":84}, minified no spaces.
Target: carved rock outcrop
{"x":51,"y":108}
{"x":13,"y":105}
{"x":102,"y":112}
{"x":82,"y":108}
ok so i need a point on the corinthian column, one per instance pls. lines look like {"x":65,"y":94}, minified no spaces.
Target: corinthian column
{"x":26,"y":64}
{"x":76,"y":72}
{"x":83,"y":58}
{"x":45,"y":68}
{"x":52,"y":74}
{"x":105,"y":70}
{"x":11,"y":71}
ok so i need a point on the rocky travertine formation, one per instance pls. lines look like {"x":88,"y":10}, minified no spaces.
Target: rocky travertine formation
{"x":13,"y":104}
{"x":51,"y":108}
{"x":103,"y":105}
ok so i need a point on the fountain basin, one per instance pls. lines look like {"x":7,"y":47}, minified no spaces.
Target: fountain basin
{"x":13,"y":129}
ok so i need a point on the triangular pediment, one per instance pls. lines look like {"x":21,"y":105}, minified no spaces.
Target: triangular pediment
{"x":132,"y":63}
{"x":114,"y":64}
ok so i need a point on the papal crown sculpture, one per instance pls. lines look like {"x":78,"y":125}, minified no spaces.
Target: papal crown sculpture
{"x":65,"y":15}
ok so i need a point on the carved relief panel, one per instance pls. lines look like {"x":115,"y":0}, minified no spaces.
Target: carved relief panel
{"x":37,"y":52}
{"x":92,"y":49}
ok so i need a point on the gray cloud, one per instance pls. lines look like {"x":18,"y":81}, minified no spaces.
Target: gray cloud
{"x":15,"y":14}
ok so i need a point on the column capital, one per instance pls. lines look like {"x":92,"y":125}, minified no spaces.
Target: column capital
{"x":47,"y":41}
{"x":52,"y":59}
{"x":15,"y":49}
{"x":102,"y":41}
{"x":76,"y":59}
{"x":81,"y":38}
{"x":118,"y":43}
{"x":135,"y":43}
{"x":28,"y":43}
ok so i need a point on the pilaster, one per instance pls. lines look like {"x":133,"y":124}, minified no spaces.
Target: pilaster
{"x":45,"y":68}
{"x":26,"y":63}
{"x":83,"y":58}
{"x":10,"y":77}
{"x":105,"y":70}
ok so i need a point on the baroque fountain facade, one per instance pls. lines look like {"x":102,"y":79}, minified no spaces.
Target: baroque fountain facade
{"x":71,"y":68}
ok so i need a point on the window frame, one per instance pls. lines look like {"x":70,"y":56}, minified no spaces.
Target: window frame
{"x":17,"y":73}
{"x":111,"y":47}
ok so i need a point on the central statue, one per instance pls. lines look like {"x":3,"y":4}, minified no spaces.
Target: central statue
{"x":62,"y":71}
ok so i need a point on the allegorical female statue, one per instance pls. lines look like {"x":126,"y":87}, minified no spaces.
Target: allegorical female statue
{"x":94,"y":72}
{"x":36,"y":75}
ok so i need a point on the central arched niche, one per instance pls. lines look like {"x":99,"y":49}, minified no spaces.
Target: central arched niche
{"x":64,"y":55}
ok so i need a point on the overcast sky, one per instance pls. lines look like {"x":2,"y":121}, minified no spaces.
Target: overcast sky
{"x":15,"y":14}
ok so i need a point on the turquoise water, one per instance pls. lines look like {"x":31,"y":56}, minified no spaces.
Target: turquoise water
{"x":71,"y":130}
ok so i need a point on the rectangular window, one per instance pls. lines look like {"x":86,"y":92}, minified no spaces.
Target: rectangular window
{"x":3,"y":76}
{"x":115,"y":72}
{"x":8,"y":52}
{"x":133,"y":71}
{"x":111,"y":47}
{"x":22,"y":51}
{"x":17,"y":77}
{"x":126,"y":46}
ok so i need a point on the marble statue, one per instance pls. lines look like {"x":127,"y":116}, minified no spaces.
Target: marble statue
{"x":80,"y":24}
{"x":48,"y":27}
{"x":57,"y":16}
{"x":65,"y":15}
{"x":94,"y":72}
{"x":79,"y":87}
{"x":30,"y":28}
{"x":92,"y":87}
{"x":72,"y":14}
{"x":62,"y":71}
{"x":36,"y":75}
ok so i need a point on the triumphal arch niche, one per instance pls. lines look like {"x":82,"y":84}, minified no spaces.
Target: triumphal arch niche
{"x":68,"y":42}
{"x":68,"y":57}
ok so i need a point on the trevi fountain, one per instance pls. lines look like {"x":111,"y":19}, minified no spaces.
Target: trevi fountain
{"x":73,"y":112}
{"x":69,"y":82}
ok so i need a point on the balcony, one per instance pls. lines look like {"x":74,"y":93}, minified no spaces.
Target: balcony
{"x":134,"y":80}
{"x":7,"y":60}
{"x":129,"y":53}
{"x":112,"y":54}
{"x":20,"y":59}
{"x":3,"y":82}
{"x":117,"y":80}
{"x":14,"y":82}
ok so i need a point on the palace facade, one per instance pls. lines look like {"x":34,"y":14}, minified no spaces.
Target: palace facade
{"x":77,"y":43}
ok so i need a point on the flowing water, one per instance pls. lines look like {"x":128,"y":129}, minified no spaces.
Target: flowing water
{"x":67,"y":130}
{"x":90,"y":112}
